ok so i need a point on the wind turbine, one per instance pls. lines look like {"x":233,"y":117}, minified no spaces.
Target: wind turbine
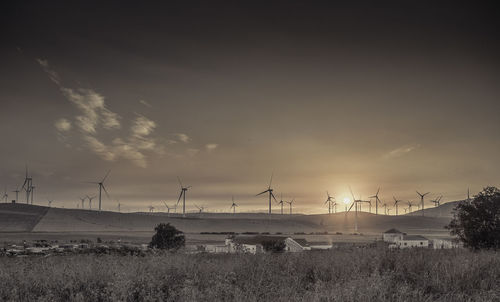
{"x":385,"y":208}
{"x":422,"y":200}
{"x":17,"y":193}
{"x":151,"y":209}
{"x":200,"y":209}
{"x":409,"y":205}
{"x":5,"y":195}
{"x":396,"y":201}
{"x":50,"y":202}
{"x":329,"y":200}
{"x":183,"y":196}
{"x":27,"y":185}
{"x":291,"y":204}
{"x":32,"y":192}
{"x":83,"y":201}
{"x":281,"y":203}
{"x":271,"y":195}
{"x":90,"y":201}
{"x":377,"y":200}
{"x":119,"y":207}
{"x":437,"y":201}
{"x":234,"y":205}
{"x":355,"y":204}
{"x":101,"y":187}
{"x":168,"y":207}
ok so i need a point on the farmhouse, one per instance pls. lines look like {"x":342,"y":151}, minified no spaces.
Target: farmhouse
{"x":445,"y":244}
{"x":255,"y":244}
{"x":392,"y":235}
{"x":408,"y":241}
{"x":296,"y":245}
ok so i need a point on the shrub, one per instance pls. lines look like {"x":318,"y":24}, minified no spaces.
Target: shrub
{"x":167,"y":237}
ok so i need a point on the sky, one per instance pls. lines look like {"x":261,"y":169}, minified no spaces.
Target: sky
{"x":402,"y":96}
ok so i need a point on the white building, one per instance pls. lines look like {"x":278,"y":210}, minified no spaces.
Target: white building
{"x":392,"y":235}
{"x":409,"y":241}
{"x":445,"y":244}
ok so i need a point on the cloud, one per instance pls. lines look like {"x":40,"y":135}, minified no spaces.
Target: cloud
{"x":62,"y":125}
{"x":183,"y":137}
{"x":94,"y":116}
{"x":53,"y":76}
{"x":142,"y":127}
{"x":211,"y":147}
{"x":93,"y":110}
{"x":401,"y":151}
{"x":145,"y":103}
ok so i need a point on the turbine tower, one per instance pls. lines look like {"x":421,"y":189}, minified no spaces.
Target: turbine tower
{"x":396,"y":201}
{"x":409,"y":206}
{"x":17,"y":193}
{"x":422,"y":200}
{"x":83,"y":201}
{"x":27,"y":185}
{"x":329,"y":200}
{"x":183,"y":196}
{"x":355,"y":203}
{"x":291,"y":204}
{"x":281,"y":203}
{"x":377,"y":200}
{"x":90,"y":201}
{"x":271,"y":195}
{"x":233,"y":206}
{"x":101,"y":187}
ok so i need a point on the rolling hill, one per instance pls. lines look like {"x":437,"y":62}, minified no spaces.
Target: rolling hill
{"x":28,"y":218}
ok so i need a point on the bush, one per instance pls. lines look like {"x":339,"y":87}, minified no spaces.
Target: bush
{"x":275,"y":246}
{"x":477,"y":223}
{"x":167,"y":237}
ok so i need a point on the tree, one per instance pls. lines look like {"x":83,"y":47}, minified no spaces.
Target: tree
{"x":477,"y":222}
{"x":167,"y":237}
{"x":275,"y":246}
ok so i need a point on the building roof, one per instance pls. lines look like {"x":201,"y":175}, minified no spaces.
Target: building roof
{"x":253,"y":240}
{"x":392,"y":231}
{"x":414,"y":237}
{"x":302,"y":242}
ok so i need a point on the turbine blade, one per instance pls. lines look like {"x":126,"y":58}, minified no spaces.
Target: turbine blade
{"x":273,"y":197}
{"x":270,"y":181}
{"x":105,"y":191}
{"x":106,"y":176}
{"x":179,"y":179}
{"x":179,"y":197}
{"x":262,"y":193}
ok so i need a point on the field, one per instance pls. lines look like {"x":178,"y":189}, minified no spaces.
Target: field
{"x":343,"y":274}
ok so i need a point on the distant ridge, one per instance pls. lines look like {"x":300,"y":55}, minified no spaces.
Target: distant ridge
{"x":28,"y":218}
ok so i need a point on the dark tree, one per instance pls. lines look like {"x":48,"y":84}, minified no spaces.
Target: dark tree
{"x":275,"y":246}
{"x":477,"y":222}
{"x":167,"y":237}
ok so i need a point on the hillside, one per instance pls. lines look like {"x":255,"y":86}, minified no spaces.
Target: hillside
{"x":20,"y":217}
{"x":26,"y":218}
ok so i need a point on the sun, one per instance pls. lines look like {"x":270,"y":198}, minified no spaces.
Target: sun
{"x":346,"y":200}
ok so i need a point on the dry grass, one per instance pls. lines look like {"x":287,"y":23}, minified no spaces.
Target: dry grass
{"x":372,"y":274}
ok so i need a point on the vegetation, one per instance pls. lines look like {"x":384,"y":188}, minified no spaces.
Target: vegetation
{"x":477,"y":222}
{"x":167,"y":237}
{"x":344,"y":274}
{"x":275,"y":246}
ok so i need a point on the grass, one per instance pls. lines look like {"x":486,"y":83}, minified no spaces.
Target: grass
{"x":346,"y":274}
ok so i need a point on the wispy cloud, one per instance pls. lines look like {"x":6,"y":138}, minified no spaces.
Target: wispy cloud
{"x":94,"y":116}
{"x":211,"y":147}
{"x":62,"y":125}
{"x":398,"y":152}
{"x":183,"y":137}
{"x":145,"y":103}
